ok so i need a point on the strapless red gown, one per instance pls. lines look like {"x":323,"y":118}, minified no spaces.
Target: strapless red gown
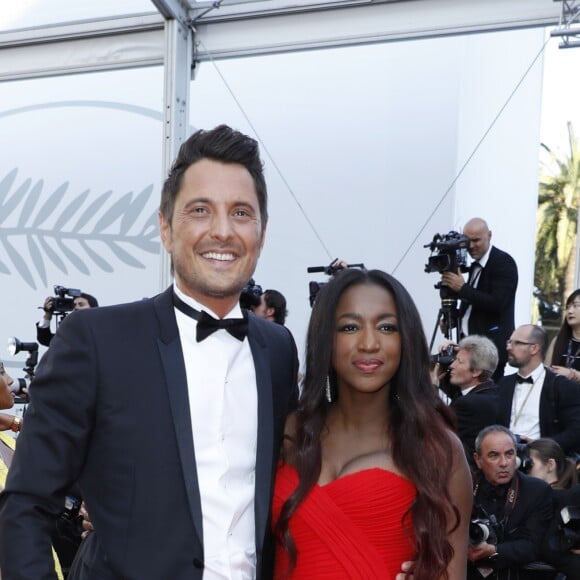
{"x":349,"y":528}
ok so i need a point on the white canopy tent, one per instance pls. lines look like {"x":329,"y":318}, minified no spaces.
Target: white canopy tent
{"x":181,"y":36}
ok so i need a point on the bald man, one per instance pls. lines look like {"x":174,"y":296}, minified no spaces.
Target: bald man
{"x":488,"y":295}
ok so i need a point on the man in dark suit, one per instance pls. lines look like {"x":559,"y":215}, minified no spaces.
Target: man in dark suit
{"x":169,"y":418}
{"x":536,"y":402}
{"x":475,"y":405}
{"x":488,"y":296}
{"x":521,"y":506}
{"x":43,"y":333}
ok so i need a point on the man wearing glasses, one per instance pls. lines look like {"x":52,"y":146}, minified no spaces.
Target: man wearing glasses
{"x":535,"y":402}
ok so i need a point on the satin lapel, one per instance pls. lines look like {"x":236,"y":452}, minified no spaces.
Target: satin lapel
{"x":546,"y":399}
{"x":265,"y":445}
{"x":506,"y":397}
{"x":176,"y":382}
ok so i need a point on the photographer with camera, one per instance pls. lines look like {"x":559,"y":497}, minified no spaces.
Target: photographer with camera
{"x":515,"y":508}
{"x":272,"y":306}
{"x":476,"y":402}
{"x":537,"y":402}
{"x":59,"y":305}
{"x":488,"y":296}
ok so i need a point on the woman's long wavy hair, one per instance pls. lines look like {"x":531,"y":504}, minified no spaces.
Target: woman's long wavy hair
{"x":418,"y":423}
{"x":564,"y":336}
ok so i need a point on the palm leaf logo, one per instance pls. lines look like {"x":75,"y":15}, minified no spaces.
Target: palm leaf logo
{"x":80,"y":230}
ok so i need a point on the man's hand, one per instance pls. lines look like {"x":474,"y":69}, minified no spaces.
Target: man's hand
{"x":480,"y":552}
{"x":453,"y":280}
{"x":87,"y":525}
{"x":48,"y":308}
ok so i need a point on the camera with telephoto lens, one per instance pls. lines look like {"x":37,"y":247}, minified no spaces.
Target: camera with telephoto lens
{"x":60,"y":303}
{"x":523,"y":459}
{"x":251,"y":295}
{"x":484,"y":529}
{"x":448,"y":253}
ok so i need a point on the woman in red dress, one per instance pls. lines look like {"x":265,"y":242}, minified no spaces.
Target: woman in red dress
{"x":372,"y":475}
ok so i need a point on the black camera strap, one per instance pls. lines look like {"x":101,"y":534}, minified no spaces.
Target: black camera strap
{"x":510,"y":500}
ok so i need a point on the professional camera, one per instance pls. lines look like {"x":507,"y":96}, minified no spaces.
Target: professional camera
{"x":20,"y":386}
{"x":448,"y":253}
{"x":61,"y":304}
{"x":484,"y":529}
{"x":445,"y":357}
{"x":523,"y":459}
{"x":568,"y":536}
{"x":251,"y":294}
{"x":335,"y":266}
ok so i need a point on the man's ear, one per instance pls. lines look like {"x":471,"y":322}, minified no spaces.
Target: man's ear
{"x":270,"y":311}
{"x":165,"y":232}
{"x":477,"y":459}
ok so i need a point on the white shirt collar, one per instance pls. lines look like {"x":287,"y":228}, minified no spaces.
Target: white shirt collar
{"x":483,"y":260}
{"x":235,"y":312}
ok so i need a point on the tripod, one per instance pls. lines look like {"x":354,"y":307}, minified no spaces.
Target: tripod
{"x":448,"y":314}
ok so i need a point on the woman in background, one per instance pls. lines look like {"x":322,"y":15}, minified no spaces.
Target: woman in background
{"x":372,"y":474}
{"x":563,"y":354}
{"x":550,"y":464}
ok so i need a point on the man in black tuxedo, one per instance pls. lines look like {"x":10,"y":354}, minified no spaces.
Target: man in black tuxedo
{"x":168,"y":414}
{"x":520,"y":504}
{"x":488,"y":296}
{"x":536,"y":402}
{"x":475,"y":405}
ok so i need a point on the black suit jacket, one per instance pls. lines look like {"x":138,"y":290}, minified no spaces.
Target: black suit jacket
{"x":523,"y":532}
{"x":559,"y":409}
{"x":474,"y":411}
{"x":110,"y":408}
{"x":492,"y":302}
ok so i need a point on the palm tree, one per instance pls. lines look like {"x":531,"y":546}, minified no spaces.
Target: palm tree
{"x":557,"y":220}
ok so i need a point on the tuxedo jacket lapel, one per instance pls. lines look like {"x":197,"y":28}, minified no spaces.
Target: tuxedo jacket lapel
{"x":506,"y":396}
{"x":265,"y":441}
{"x":175,"y":378}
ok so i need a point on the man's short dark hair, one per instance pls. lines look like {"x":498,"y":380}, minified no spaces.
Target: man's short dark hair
{"x":276,"y":300}
{"x":93,"y":303}
{"x":222,"y":144}
{"x":482,"y":354}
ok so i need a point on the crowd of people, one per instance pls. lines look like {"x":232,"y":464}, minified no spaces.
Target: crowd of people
{"x":179,"y":421}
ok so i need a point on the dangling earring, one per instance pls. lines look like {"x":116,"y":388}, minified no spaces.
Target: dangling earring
{"x":328,"y":391}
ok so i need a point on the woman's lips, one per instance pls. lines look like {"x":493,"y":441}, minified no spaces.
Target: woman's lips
{"x":367,"y":365}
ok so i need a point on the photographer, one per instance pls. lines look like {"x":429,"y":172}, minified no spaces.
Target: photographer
{"x":470,"y":373}
{"x":537,"y":402}
{"x":272,"y":307}
{"x":43,"y":333}
{"x":488,"y":296}
{"x":517,"y":507}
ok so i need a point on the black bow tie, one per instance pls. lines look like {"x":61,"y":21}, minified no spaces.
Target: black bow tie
{"x":520,"y":379}
{"x":206,"y":324}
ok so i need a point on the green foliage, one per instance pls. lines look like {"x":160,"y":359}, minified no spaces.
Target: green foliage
{"x":557,"y":219}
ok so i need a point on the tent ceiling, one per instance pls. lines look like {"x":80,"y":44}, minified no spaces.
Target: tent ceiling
{"x":241,"y":28}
